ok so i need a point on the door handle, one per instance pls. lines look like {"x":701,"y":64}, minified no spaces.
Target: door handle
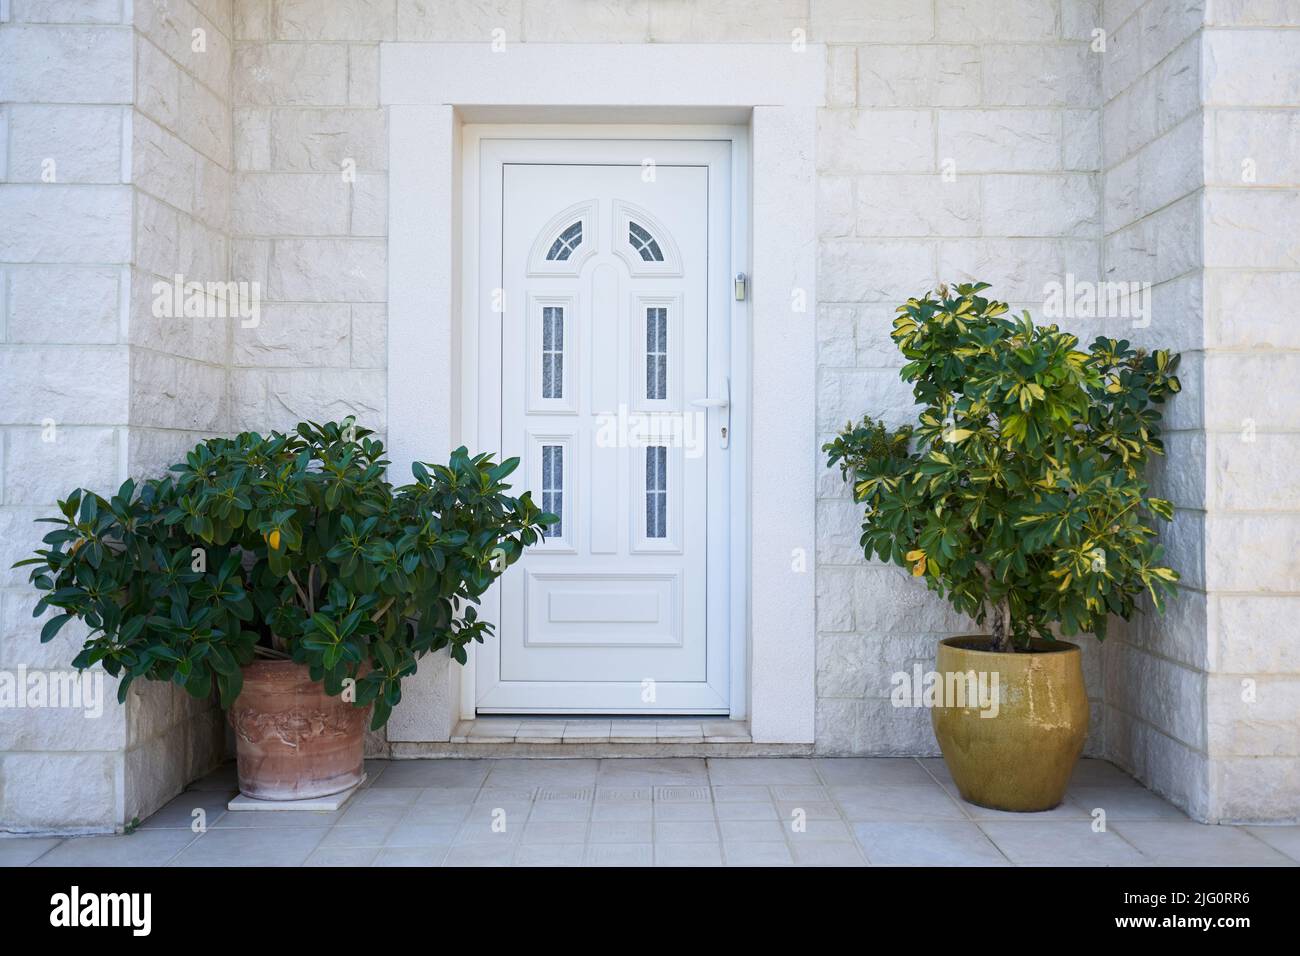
{"x":719,"y":402}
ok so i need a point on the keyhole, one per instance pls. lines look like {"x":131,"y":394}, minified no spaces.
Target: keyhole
{"x":724,"y":431}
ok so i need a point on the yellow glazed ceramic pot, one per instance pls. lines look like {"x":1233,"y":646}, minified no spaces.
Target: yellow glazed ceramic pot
{"x":1010,"y":725}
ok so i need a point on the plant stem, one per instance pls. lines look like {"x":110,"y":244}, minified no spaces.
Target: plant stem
{"x":379,"y":612}
{"x":1002,"y":641}
{"x":306,"y":603}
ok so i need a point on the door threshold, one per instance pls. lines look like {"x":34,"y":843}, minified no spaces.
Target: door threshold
{"x":543,"y":729}
{"x":597,"y":737}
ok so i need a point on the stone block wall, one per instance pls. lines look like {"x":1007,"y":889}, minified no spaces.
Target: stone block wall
{"x":1250,"y":61}
{"x":959,"y":142}
{"x":114,"y":164}
{"x":1152,"y":123}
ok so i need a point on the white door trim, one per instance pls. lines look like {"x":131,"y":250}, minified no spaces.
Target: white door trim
{"x":431,"y":90}
{"x":729,"y":236}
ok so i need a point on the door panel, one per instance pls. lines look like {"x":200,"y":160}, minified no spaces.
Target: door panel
{"x":605,"y":342}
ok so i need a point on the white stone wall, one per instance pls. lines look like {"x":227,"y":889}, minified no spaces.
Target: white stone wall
{"x":1251,"y":213}
{"x":960,"y":142}
{"x":987,"y":139}
{"x":114,"y":167}
{"x":1151,"y":159}
{"x":65,"y":245}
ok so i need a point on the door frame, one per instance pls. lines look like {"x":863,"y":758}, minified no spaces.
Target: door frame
{"x":622,"y":144}
{"x":429,"y":91}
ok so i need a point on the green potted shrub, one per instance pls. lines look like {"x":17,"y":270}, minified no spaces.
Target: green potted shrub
{"x":289,"y":575}
{"x":1018,"y":496}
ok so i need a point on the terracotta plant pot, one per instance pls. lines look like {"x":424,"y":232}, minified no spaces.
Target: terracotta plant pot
{"x":1017,"y":753}
{"x":292,"y":740}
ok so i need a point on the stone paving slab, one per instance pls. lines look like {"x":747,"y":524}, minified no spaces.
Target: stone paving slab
{"x":687,"y":811}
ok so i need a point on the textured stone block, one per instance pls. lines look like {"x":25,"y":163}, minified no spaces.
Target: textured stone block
{"x":841,"y":76}
{"x":1258,"y":720}
{"x":291,"y":74}
{"x":49,"y":304}
{"x":65,"y":64}
{"x":292,"y":335}
{"x":168,"y":391}
{"x":1233,"y":315}
{"x":849,"y":21}
{"x":1251,"y":67}
{"x":369,"y":335}
{"x":918,"y":206}
{"x":1000,"y":140}
{"x":1252,"y":552}
{"x":356,"y":20}
{"x":835,"y":212}
{"x":369,"y":214}
{"x":65,"y":11}
{"x":162,"y":164}
{"x":279,"y":204}
{"x":727,"y":21}
{"x":996,"y":20}
{"x":75,"y":144}
{"x":158,"y":84}
{"x":602,"y":21}
{"x":40,"y":471}
{"x":1254,"y":634}
{"x":329,"y":270}
{"x":71,"y":385}
{"x":1041,"y":75}
{"x":325,"y":395}
{"x":1018,"y":269}
{"x":53,"y":223}
{"x":920,"y":75}
{"x":1045,"y":205}
{"x":321,"y":140}
{"x":363,"y":75}
{"x":59,"y":791}
{"x":862,"y":271}
{"x":472,"y":20}
{"x":1255,"y":789}
{"x":863,"y":141}
{"x":835,"y":336}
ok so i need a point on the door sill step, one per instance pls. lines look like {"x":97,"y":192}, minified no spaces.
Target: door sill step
{"x":566,"y":731}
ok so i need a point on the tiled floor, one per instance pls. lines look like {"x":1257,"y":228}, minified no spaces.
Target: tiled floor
{"x":671,"y":812}
{"x":600,"y":730}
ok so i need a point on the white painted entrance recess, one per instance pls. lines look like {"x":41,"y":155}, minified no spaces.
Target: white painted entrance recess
{"x":604,"y":364}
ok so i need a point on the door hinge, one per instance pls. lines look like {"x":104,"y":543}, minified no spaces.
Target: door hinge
{"x":741,"y":283}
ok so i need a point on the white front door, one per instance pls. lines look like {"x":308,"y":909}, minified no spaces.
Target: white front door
{"x":612,"y":368}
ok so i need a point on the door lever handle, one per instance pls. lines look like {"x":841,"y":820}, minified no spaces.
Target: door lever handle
{"x":723,"y":402}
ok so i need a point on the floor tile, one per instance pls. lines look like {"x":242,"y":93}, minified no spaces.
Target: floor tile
{"x":19,"y":851}
{"x":923,"y":803}
{"x":480,"y":854}
{"x":810,"y":831}
{"x":1066,"y":811}
{"x":651,"y":771}
{"x":1188,"y":843}
{"x":751,"y":831}
{"x":1124,"y":802}
{"x":685,"y":831}
{"x":686,"y":810}
{"x":255,"y":847}
{"x":142,"y":848}
{"x":553,"y":854}
{"x":224,"y":778}
{"x":565,"y":772}
{"x":788,"y":810}
{"x":742,"y":794}
{"x":371,"y":816}
{"x":619,"y":854}
{"x":434,"y":773}
{"x":688,"y":854}
{"x":827,"y":854}
{"x":620,"y":831}
{"x":436,"y":813}
{"x":355,"y":836}
{"x":1092,"y":772}
{"x":1057,"y":842}
{"x":927,"y":844}
{"x":735,"y":771}
{"x":871,"y":771}
{"x":757,"y":854}
{"x":342,"y":856}
{"x":1284,"y":838}
{"x":422,"y":834}
{"x":410,"y":856}
{"x":385,"y":797}
{"x":622,"y":811}
{"x":555,"y":832}
{"x":178,"y":813}
{"x":277,"y":819}
{"x":745,"y":811}
{"x":482,"y":833}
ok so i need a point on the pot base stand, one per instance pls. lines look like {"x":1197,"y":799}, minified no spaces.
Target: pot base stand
{"x":332,"y":801}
